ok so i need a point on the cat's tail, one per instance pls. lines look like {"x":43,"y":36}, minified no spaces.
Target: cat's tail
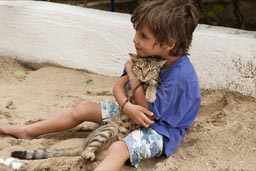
{"x":48,"y":153}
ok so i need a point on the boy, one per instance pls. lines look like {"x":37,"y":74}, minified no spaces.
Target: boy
{"x":164,"y":29}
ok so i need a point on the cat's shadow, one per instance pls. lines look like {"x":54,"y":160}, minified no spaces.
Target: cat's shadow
{"x":78,"y":132}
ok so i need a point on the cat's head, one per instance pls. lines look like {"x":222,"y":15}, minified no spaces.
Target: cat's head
{"x":146,"y":68}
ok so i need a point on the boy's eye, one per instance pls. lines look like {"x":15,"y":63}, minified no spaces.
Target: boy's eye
{"x":144,"y":36}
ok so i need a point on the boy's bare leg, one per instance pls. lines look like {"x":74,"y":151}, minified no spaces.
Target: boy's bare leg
{"x":117,"y":155}
{"x":84,"y":111}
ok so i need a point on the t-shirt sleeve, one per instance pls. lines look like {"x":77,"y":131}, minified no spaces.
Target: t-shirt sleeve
{"x":171,"y":104}
{"x":124,"y":73}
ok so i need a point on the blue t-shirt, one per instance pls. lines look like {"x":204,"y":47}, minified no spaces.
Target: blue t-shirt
{"x":177,"y":102}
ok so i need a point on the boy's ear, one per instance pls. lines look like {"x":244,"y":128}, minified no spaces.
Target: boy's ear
{"x":133,"y":57}
{"x":170,"y":45}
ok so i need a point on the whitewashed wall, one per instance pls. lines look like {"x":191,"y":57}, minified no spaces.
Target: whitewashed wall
{"x":99,"y":42}
{"x":70,"y":36}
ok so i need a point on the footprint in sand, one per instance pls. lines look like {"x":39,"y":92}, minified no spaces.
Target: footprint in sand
{"x":218,"y":118}
{"x":9,"y":105}
{"x":5,"y":114}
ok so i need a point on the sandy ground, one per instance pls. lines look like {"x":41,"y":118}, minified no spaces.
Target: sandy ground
{"x":222,"y":138}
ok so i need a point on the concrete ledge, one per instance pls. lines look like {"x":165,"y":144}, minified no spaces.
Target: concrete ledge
{"x":98,"y":41}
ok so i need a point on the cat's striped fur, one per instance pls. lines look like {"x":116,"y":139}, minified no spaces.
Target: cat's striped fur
{"x":146,"y":70}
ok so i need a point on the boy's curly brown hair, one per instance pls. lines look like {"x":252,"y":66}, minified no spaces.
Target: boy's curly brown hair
{"x":169,"y":20}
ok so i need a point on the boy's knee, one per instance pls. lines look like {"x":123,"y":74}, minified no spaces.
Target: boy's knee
{"x":82,"y":104}
{"x":81,"y":107}
{"x":77,"y":110}
{"x":117,"y":146}
{"x":120,"y":149}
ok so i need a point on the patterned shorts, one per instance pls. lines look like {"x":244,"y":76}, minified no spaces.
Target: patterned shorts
{"x":142,"y":144}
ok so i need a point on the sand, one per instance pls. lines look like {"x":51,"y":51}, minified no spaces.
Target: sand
{"x":222,"y":137}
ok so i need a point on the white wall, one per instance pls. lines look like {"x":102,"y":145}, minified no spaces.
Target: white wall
{"x":99,"y":42}
{"x":71,"y":36}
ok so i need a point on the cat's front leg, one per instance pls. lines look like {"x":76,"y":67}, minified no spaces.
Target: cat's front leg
{"x":151,"y":93}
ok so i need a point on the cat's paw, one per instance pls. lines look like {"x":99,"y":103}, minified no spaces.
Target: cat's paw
{"x":150,"y":98}
{"x":88,"y":155}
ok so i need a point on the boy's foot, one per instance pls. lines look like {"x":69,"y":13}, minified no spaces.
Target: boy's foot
{"x":16,"y":131}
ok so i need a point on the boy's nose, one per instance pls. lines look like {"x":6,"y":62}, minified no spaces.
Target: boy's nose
{"x":135,"y":39}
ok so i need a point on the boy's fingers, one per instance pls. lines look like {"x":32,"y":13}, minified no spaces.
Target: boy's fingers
{"x":145,"y":124}
{"x":147,"y":112}
{"x":146,"y":121}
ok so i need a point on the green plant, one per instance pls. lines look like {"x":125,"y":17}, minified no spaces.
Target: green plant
{"x":141,"y":1}
{"x":214,"y":12}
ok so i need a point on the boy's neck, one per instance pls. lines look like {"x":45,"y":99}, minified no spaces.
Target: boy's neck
{"x":171,"y":60}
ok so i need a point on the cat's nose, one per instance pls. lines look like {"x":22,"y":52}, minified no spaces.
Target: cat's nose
{"x":144,"y":74}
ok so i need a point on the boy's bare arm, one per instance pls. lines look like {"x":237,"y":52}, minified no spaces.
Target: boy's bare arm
{"x":119,"y":90}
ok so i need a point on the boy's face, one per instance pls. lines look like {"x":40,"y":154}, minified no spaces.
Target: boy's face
{"x":145,"y":43}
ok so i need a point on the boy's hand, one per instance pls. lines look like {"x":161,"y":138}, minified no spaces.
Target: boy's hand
{"x":139,"y":114}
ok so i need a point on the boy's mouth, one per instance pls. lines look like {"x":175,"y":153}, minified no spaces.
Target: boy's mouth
{"x":137,"y":48}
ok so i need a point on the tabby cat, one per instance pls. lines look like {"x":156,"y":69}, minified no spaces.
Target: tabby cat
{"x":147,"y":71}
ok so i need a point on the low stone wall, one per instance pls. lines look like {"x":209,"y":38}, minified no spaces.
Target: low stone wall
{"x":231,"y":13}
{"x":99,"y":42}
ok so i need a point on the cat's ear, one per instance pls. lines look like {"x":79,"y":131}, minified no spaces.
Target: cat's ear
{"x":134,"y":57}
{"x":161,"y":63}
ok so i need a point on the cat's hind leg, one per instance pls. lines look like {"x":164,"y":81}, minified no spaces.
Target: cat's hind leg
{"x":89,"y":154}
{"x":97,"y":139}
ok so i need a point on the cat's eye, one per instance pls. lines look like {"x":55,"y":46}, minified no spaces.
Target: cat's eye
{"x":139,"y":68}
{"x":152,"y":69}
